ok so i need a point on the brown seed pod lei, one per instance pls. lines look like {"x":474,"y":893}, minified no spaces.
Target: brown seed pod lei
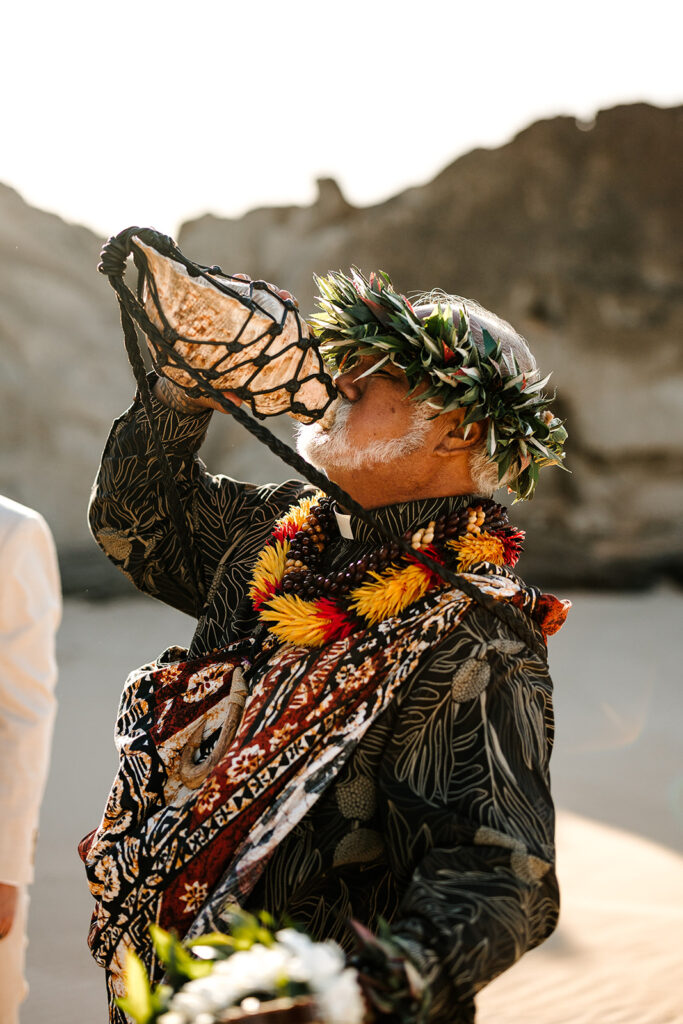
{"x":302,"y":573}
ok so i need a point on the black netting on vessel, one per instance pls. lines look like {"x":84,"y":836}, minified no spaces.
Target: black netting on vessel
{"x":113,"y":264}
{"x":258,"y":352}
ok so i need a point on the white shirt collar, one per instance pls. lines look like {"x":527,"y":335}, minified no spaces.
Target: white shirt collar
{"x":344,"y":524}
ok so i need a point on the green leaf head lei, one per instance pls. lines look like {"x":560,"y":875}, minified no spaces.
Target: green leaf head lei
{"x":358,"y":316}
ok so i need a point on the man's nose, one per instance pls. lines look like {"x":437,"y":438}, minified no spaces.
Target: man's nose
{"x":349,"y":384}
{"x":344,"y":383}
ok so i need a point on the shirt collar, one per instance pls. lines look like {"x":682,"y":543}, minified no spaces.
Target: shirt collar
{"x":344,"y":524}
{"x":399,"y":518}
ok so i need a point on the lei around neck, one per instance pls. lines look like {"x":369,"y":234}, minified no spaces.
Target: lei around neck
{"x":360,"y":316}
{"x":301,"y":605}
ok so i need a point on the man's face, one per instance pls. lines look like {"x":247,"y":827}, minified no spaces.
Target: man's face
{"x":376,"y":442}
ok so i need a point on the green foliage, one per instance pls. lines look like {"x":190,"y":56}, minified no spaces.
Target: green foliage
{"x":248,"y":929}
{"x":141,"y":1002}
{"x":360,"y":316}
{"x":180,"y":965}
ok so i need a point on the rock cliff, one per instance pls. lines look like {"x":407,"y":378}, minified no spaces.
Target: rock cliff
{"x":571,"y":232}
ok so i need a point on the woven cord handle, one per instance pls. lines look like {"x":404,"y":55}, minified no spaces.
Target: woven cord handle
{"x":113,"y":265}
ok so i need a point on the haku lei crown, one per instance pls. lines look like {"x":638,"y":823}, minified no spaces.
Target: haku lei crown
{"x":359,"y":316}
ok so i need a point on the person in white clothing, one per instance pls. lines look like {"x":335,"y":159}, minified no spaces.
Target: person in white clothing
{"x":30,"y":611}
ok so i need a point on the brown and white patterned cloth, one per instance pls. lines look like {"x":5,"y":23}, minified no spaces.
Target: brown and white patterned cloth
{"x":424,"y":799}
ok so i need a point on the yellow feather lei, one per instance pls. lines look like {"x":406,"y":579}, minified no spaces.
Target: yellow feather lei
{"x":268,"y":570}
{"x":297,"y":621}
{"x":391,"y":592}
{"x":477,"y":547}
{"x":293,"y":619}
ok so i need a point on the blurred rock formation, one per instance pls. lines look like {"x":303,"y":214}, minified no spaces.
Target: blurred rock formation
{"x":571,"y":231}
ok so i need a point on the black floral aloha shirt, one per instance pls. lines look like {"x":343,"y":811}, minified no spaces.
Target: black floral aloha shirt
{"x":441,"y":822}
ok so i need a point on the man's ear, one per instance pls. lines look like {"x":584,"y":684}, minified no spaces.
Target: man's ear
{"x":457,"y":438}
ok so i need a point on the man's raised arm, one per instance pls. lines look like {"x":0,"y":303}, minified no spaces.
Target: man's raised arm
{"x":128,"y":513}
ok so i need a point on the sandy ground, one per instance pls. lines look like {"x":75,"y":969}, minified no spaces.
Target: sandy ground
{"x":616,"y":957}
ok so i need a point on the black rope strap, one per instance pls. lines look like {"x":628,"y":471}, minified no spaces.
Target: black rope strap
{"x":189,"y":549}
{"x":113,"y":260}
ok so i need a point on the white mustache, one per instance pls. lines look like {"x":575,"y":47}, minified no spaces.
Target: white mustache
{"x":326,"y":445}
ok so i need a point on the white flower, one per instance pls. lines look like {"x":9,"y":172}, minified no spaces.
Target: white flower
{"x":341,"y":1001}
{"x":314,"y":960}
{"x":172,"y":1017}
{"x":320,"y":965}
{"x":189,"y":1003}
{"x":211,"y":993}
{"x":214,"y":991}
{"x":294,"y":941}
{"x":257,"y":969}
{"x":326,"y":961}
{"x":205,"y":952}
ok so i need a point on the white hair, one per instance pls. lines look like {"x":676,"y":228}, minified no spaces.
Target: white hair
{"x":483,"y":469}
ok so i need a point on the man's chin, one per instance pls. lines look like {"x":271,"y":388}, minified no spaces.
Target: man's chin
{"x":326,"y":450}
{"x":311,"y":441}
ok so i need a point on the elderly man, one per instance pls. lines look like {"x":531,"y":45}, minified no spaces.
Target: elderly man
{"x":421,"y":792}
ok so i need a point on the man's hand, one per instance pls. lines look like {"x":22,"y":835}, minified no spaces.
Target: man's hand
{"x":176,"y":398}
{"x":9,"y":897}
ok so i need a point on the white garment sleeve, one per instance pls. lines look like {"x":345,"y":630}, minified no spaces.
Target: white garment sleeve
{"x":30,"y":611}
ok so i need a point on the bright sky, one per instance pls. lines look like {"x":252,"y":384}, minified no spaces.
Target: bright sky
{"x":153,"y":111}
